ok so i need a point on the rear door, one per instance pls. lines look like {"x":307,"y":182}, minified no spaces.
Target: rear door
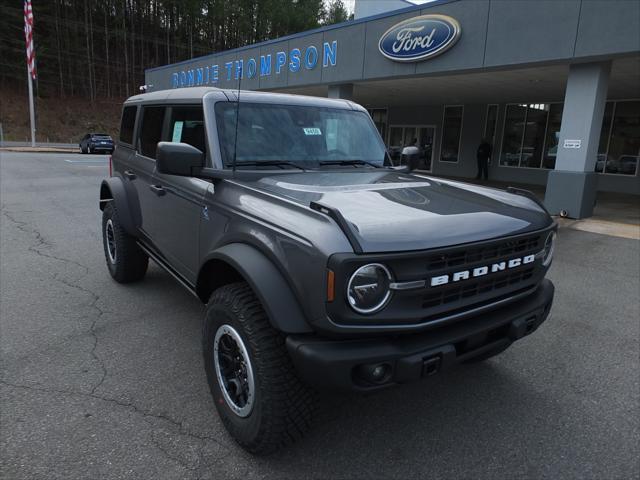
{"x":142,"y":163}
{"x":179,"y":201}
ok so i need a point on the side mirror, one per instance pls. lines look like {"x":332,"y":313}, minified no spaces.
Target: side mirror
{"x":410,"y":157}
{"x":178,"y":159}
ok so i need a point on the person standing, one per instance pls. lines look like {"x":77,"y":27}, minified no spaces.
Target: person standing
{"x":483,"y":155}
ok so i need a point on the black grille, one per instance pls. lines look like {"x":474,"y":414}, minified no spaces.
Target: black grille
{"x":496,"y":251}
{"x":495,"y":281}
{"x":466,"y":290}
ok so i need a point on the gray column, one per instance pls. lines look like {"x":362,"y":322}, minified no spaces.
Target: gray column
{"x":343,"y":91}
{"x":571,"y":187}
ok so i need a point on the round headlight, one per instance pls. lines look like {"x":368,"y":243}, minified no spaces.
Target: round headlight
{"x":549,"y":247}
{"x":368,"y":290}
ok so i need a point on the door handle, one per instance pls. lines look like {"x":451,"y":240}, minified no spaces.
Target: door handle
{"x":157,"y":189}
{"x":129,"y":174}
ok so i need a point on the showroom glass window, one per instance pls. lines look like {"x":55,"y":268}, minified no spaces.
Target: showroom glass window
{"x":451,"y":133}
{"x":379,"y":117}
{"x":515,"y":117}
{"x":552,"y":137}
{"x":623,"y":147}
{"x":605,"y":135}
{"x":490,"y":127}
{"x":533,"y":128}
{"x":523,"y":143}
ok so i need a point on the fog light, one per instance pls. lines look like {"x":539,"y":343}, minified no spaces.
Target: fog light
{"x":378,"y":372}
{"x":374,"y":373}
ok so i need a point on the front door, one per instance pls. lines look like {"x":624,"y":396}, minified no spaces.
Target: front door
{"x":179,"y":201}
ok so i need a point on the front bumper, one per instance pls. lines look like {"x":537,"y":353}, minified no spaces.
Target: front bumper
{"x":338,"y":364}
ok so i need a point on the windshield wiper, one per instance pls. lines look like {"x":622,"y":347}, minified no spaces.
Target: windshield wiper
{"x":269,"y":163}
{"x":348,"y":162}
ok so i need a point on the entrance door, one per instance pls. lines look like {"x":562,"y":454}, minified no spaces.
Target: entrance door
{"x":421,"y":136}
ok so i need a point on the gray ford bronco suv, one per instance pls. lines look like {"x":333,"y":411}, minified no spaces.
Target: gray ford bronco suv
{"x":322,"y":266}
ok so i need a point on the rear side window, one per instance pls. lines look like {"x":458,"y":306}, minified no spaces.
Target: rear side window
{"x":187,"y":126}
{"x":126,"y":127}
{"x":151,"y":130}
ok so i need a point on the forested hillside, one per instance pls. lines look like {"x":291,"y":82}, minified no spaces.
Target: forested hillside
{"x":100,"y":48}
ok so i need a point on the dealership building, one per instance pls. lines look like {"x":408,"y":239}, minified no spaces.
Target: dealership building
{"x":553,"y":86}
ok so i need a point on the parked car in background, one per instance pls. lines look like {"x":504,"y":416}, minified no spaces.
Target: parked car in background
{"x":96,"y":142}
{"x":627,"y":164}
{"x":601,"y":161}
{"x":624,"y":164}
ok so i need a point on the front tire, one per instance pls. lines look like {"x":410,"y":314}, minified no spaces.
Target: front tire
{"x":259,"y":397}
{"x":125,"y":260}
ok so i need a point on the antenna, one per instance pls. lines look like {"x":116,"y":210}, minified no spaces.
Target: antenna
{"x":235,"y":141}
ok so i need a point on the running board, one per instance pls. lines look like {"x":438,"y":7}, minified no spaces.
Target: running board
{"x":162,"y":264}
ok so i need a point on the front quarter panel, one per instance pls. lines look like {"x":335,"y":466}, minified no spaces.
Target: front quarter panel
{"x":274,"y":226}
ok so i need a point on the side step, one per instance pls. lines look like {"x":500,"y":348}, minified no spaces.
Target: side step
{"x":167,"y":268}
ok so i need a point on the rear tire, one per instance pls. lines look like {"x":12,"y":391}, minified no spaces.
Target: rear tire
{"x":125,"y":260}
{"x":274,"y":407}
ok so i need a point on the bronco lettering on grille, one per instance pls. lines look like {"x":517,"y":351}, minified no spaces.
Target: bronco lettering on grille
{"x":481,"y":271}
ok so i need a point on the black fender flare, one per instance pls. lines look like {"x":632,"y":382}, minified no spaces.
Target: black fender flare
{"x":113,"y":189}
{"x":268,"y":283}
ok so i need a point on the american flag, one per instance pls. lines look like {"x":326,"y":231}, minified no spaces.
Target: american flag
{"x":28,"y":35}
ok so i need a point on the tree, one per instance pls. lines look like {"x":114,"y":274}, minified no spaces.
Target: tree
{"x":336,"y":12}
{"x":100,"y":49}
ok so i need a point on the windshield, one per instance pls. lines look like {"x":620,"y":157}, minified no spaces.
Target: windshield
{"x":298,"y":136}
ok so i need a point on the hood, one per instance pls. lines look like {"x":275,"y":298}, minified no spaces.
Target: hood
{"x":388,"y":211}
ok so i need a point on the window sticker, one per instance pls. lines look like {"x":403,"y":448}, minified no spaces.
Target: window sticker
{"x":177,"y":131}
{"x":312,"y":131}
{"x":331,"y":133}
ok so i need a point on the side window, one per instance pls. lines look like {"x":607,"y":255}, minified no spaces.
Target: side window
{"x":187,"y":126}
{"x":151,"y":130}
{"x":126,"y":127}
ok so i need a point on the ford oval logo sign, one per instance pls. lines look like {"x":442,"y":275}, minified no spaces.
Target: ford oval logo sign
{"x":419,"y":38}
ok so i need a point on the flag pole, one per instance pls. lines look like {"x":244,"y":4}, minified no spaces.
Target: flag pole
{"x":31,"y":109}
{"x":31,"y":64}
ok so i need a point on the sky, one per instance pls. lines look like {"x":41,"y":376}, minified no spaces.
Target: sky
{"x":350,"y":4}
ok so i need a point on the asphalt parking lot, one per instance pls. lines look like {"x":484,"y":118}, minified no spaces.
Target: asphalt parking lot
{"x":100,"y":380}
